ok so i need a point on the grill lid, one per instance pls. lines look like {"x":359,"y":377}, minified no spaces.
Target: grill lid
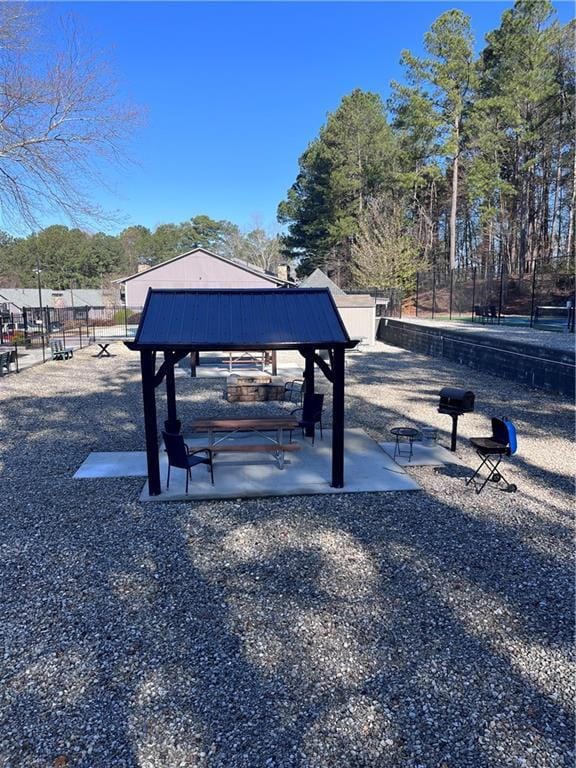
{"x":452,"y":393}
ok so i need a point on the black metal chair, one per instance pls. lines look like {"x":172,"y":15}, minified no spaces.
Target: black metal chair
{"x":491,"y":450}
{"x":183,"y":457}
{"x":312,"y":405}
{"x":292,"y":389}
{"x":481,"y":312}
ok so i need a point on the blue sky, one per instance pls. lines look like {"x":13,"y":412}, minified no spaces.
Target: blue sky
{"x":234,"y":92}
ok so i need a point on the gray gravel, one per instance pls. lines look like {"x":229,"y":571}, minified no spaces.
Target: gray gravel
{"x":428,"y":629}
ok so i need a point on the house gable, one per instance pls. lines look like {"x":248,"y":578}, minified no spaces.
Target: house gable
{"x":196,"y":269}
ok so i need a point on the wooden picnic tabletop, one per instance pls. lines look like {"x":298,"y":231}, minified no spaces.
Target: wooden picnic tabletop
{"x":260,"y":423}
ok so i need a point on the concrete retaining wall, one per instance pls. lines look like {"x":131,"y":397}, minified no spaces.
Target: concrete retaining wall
{"x":536,"y":366}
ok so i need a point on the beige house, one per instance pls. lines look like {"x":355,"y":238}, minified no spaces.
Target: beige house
{"x":198,"y":268}
{"x":358,"y":311}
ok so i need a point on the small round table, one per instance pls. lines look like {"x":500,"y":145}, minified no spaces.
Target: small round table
{"x":406,"y":433}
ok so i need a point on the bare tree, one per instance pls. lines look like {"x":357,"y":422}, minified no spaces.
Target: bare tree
{"x":385,"y":253}
{"x":263,"y":250}
{"x":61,"y":124}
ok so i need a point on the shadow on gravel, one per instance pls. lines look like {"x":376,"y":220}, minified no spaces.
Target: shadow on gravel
{"x":380,"y":630}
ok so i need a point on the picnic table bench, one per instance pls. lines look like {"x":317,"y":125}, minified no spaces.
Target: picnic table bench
{"x":259,"y":426}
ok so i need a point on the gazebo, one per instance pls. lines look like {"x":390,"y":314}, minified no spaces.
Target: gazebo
{"x":179,"y":322}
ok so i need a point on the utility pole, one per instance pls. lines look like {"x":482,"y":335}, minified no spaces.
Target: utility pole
{"x":38,"y":271}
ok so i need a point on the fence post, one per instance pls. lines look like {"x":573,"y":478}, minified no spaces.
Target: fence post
{"x":533,"y":293}
{"x":451,"y":291}
{"x":417,"y":289}
{"x":80,"y":335}
{"x":433,"y":292}
{"x":126,"y":322}
{"x":473,"y":293}
{"x":501,"y":287}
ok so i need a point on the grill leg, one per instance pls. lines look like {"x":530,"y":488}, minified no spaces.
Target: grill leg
{"x":493,"y":467}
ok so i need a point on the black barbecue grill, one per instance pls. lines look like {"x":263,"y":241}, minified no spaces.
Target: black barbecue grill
{"x":455,"y":402}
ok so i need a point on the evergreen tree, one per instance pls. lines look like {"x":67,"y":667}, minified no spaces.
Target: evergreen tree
{"x":347,"y":165}
{"x":525,"y":124}
{"x":438,"y":95}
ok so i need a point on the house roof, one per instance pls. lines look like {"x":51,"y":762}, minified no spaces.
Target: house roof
{"x":319,"y":279}
{"x":28,"y":297}
{"x":348,"y":300}
{"x":224,"y":319}
{"x":252,"y":268}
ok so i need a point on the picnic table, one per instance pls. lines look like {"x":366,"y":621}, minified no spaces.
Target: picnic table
{"x":259,"y":359}
{"x":103,"y":349}
{"x":275,"y":444}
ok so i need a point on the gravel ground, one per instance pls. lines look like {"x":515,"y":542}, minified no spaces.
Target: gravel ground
{"x":429,"y":629}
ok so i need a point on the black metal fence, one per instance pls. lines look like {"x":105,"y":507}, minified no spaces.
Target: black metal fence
{"x":543,"y":297}
{"x":33,"y":329}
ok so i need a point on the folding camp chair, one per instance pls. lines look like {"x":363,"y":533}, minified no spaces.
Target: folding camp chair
{"x":491,"y":450}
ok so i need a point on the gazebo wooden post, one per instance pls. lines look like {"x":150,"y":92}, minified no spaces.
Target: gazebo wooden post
{"x":147,"y":365}
{"x":338,"y":417}
{"x":172,"y":424}
{"x":309,"y":382}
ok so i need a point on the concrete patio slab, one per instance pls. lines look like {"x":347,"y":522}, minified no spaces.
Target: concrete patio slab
{"x":423,"y":455}
{"x":115,"y":464}
{"x":367,"y":468}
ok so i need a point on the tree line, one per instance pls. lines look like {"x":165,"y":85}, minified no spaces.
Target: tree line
{"x":470,"y":163}
{"x":72,"y":257}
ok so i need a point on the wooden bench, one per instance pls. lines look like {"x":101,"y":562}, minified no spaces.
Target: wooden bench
{"x":279,"y":449}
{"x":59,"y":351}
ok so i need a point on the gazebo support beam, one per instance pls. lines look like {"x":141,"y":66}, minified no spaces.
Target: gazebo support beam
{"x":324,"y":367}
{"x":172,"y":423}
{"x":147,"y":365}
{"x":338,"y":418}
{"x":309,"y":382}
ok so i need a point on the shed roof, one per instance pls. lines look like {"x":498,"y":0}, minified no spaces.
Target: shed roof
{"x":354,"y":300}
{"x":319,"y":279}
{"x":240,"y":319}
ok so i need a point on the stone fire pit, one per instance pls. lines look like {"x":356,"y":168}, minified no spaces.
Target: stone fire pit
{"x":257,"y":387}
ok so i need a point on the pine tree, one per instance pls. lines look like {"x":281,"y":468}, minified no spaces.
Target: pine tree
{"x":440,"y":89}
{"x":340,"y":171}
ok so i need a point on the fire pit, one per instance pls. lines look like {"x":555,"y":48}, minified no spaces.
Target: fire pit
{"x":253,"y":389}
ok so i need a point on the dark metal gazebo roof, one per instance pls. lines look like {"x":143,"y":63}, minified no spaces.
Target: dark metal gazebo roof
{"x":230,"y":319}
{"x":178,"y":321}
